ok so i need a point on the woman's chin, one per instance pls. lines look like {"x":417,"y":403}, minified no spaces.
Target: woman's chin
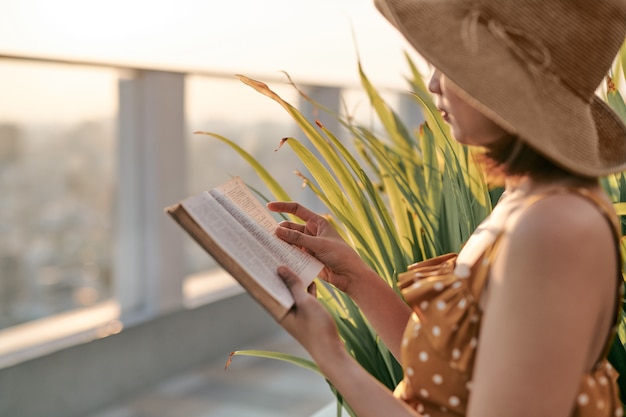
{"x":472,"y":141}
{"x":463,"y":140}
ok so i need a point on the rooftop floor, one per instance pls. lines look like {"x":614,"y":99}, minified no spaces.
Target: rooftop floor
{"x":251,"y":387}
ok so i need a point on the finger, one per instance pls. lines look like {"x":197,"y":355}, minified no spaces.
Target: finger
{"x":277,"y":206}
{"x":293,"y":226}
{"x":299,"y":239}
{"x":293,"y":208}
{"x":293,"y":282}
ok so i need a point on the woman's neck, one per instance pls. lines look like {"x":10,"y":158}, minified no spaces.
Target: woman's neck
{"x":527,"y":184}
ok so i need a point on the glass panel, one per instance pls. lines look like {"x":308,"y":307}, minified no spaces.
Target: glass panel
{"x":57,"y":179}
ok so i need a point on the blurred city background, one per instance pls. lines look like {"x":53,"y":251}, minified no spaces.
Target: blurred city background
{"x":99,"y":105}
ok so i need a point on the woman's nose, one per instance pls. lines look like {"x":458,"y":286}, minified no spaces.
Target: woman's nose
{"x":434,"y":85}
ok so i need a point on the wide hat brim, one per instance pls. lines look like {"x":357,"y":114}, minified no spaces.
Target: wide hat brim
{"x":582,"y":136}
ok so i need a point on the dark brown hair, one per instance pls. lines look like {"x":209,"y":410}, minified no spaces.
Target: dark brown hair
{"x":510,"y":156}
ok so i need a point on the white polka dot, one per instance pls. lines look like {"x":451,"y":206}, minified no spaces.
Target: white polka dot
{"x":473,"y":342}
{"x":424,"y":305}
{"x":462,"y":303}
{"x":443,"y":409}
{"x":591,"y":382}
{"x":437,"y":379}
{"x":423,"y":356}
{"x":475,"y":318}
{"x":602,"y":380}
{"x":424,"y":393}
{"x":469,"y":385}
{"x":420,"y":408}
{"x":409,"y":371}
{"x":456,"y":354}
{"x":438,"y":286}
{"x":416,"y":329}
{"x":457,"y":284}
{"x":416,"y":285}
{"x":454,"y":401}
{"x":436,"y":331}
{"x":426,"y":415}
{"x":619,"y":412}
{"x":583,"y":399}
{"x":441,"y":305}
{"x":600,"y":405}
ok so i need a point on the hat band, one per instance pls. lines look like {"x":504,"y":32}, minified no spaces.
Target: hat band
{"x":529,"y":50}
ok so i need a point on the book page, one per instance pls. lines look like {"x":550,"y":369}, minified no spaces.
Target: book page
{"x":257,"y":249}
{"x":237,"y":192}
{"x":239,"y":201}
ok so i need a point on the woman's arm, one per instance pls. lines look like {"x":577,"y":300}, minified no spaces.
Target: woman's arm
{"x":384,"y":309}
{"x":549,"y":308}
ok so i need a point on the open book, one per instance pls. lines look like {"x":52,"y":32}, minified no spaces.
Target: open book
{"x":239,"y":233}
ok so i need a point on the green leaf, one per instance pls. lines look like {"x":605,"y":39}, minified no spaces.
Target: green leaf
{"x":393,"y":124}
{"x":616,"y":102}
{"x":620,"y":208}
{"x":275,"y":188}
{"x":284,"y":357}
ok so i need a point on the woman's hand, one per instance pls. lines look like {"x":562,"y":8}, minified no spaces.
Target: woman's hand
{"x":344,"y":269}
{"x":318,"y":237}
{"x":311,"y":325}
{"x":309,"y":322}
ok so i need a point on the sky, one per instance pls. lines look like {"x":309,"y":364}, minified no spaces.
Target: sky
{"x":315,"y":41}
{"x":311,"y":39}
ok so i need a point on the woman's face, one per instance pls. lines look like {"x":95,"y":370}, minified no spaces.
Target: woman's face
{"x":469,"y":126}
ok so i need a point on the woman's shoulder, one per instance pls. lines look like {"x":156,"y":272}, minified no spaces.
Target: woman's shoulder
{"x":571,"y":217}
{"x":565,"y":237}
{"x":549,"y":225}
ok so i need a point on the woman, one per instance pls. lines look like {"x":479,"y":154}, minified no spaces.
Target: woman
{"x":517,"y":324}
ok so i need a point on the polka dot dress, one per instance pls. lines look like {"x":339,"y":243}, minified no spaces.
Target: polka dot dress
{"x":442,"y":335}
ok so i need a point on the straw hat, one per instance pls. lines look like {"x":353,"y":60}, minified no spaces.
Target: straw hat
{"x":532,"y":66}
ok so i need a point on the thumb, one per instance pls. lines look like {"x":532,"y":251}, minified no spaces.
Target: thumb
{"x":293,"y":282}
